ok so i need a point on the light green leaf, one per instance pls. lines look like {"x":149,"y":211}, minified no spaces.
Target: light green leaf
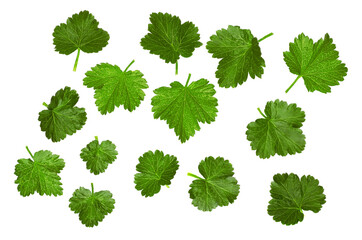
{"x":184,"y":107}
{"x":40,"y":174}
{"x":317,"y":63}
{"x":114,"y":87}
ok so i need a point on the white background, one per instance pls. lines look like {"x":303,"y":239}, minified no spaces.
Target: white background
{"x":31,"y":72}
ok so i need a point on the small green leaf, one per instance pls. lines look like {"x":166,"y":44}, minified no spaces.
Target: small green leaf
{"x":217,"y":188}
{"x":155,"y":170}
{"x":62,"y":118}
{"x":81,"y":32}
{"x":98,"y":156}
{"x":91,"y":206}
{"x":291,"y":195}
{"x":39,"y":173}
{"x":317,"y":63}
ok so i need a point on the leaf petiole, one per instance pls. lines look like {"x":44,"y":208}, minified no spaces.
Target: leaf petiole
{"x":188,"y":79}
{"x":261,"y":113}
{"x":286,"y":91}
{"x":92,"y":188}
{"x":167,"y":186}
{"x":44,"y":104}
{"x":96,"y":138}
{"x":76,"y":61}
{"x":193,"y":175}
{"x":176,"y":66}
{"x":266,"y":36}
{"x":29,"y":152}
{"x":129,"y":65}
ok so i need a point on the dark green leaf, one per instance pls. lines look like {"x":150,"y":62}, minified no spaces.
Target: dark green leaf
{"x":291,"y":195}
{"x":170,"y":39}
{"x":217,"y":188}
{"x":62,"y":118}
{"x":240,"y":55}
{"x":279,"y":131}
{"x":81,"y":32}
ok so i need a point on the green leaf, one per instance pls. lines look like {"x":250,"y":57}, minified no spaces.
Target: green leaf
{"x":40,"y":173}
{"x":114,"y":87}
{"x":278,"y":132}
{"x":217,"y":188}
{"x":291,"y":195}
{"x":170,"y":39}
{"x":155,"y":170}
{"x":240,"y":55}
{"x":81,"y":32}
{"x":91,"y":206}
{"x":98,"y":156}
{"x":183,"y":107}
{"x":62,"y":118}
{"x":317,"y":63}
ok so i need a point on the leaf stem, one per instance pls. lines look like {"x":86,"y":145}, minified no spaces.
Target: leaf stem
{"x":176,"y":70}
{"x":261,"y":113}
{"x":286,"y":91}
{"x":188,"y":79}
{"x":96,"y":138}
{"x":44,"y":104}
{"x":129,"y":65}
{"x":92,"y":188}
{"x":167,"y":186}
{"x":193,"y":175}
{"x":29,"y":152}
{"x":266,"y":36}
{"x":76,"y":61}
